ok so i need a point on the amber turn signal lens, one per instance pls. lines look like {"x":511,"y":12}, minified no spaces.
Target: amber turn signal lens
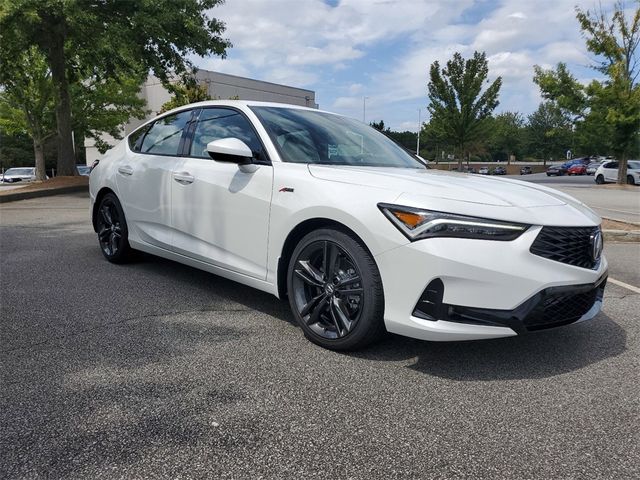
{"x":411,"y":220}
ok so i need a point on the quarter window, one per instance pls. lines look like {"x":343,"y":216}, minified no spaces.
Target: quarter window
{"x":163,"y":138}
{"x":217,"y":123}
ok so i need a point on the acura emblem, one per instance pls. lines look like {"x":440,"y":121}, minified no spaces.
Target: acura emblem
{"x":595,"y":244}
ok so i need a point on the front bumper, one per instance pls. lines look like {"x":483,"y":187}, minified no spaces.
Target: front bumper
{"x":490,"y":289}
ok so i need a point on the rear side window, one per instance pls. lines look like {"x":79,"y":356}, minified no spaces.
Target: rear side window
{"x":135,"y":139}
{"x":163,"y":138}
{"x":217,"y":123}
{"x":611,"y":165}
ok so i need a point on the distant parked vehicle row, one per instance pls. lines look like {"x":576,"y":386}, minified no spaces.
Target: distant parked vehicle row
{"x":19,"y":174}
{"x":593,"y":166}
{"x":577,"y":169}
{"x":608,"y":172}
{"x":559,"y":170}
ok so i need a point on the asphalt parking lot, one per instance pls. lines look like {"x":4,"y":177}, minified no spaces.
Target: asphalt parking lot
{"x":157,"y":370}
{"x":607,"y":200}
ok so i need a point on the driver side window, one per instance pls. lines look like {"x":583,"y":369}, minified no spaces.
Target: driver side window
{"x":217,"y":123}
{"x":163,"y":138}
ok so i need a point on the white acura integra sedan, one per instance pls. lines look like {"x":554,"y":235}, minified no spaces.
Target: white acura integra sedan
{"x":356,"y":232}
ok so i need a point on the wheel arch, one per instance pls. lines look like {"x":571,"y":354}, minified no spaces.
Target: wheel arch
{"x":296,"y":234}
{"x":99,"y":196}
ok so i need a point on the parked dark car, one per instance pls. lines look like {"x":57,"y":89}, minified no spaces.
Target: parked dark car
{"x":470,"y":170}
{"x":526,"y":170}
{"x":577,"y":169}
{"x":557,"y":170}
{"x":499,"y":171}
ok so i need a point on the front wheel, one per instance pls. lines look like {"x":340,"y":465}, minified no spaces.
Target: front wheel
{"x":599,"y":179}
{"x":630,"y":180}
{"x":335,"y":291}
{"x":112,"y":230}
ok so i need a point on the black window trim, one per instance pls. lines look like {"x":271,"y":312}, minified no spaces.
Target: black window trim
{"x":192,"y":127}
{"x":150,"y":125}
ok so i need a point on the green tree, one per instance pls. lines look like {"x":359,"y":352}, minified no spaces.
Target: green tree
{"x":185,"y":91}
{"x":105,"y":105}
{"x":548,"y":132}
{"x":612,"y":106}
{"x":378,"y":125}
{"x":26,"y":103}
{"x":615,"y":39}
{"x":505,"y":137}
{"x":459,"y":107}
{"x":112,"y":37}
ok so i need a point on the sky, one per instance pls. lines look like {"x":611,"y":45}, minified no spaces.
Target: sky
{"x":346,"y":50}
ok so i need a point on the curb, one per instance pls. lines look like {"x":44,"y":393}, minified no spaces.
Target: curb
{"x":621,"y":235}
{"x":46,"y":192}
{"x":621,"y":221}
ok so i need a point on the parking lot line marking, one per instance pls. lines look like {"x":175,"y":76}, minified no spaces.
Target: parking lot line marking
{"x":624,"y":285}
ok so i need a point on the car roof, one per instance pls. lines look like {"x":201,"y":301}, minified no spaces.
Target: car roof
{"x":245,"y":103}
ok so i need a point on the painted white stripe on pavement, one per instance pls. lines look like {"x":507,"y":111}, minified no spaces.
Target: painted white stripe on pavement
{"x":624,"y":285}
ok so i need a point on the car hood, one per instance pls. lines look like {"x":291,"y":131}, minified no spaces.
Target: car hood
{"x":439,"y":184}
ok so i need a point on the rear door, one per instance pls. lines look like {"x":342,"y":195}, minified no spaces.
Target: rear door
{"x":220,"y":212}
{"x":611,"y":172}
{"x":145,"y":177}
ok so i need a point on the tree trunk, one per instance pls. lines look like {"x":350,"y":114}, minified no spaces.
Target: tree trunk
{"x":38,"y":150}
{"x":622,"y":170}
{"x":66,"y":158}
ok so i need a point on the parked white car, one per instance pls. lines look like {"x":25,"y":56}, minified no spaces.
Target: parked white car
{"x":19,"y":174}
{"x":355,"y":231}
{"x":608,"y":172}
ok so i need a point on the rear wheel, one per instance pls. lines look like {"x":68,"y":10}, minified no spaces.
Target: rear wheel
{"x":630,"y":180}
{"x":600,"y":179}
{"x":335,"y":291}
{"x":112,"y":230}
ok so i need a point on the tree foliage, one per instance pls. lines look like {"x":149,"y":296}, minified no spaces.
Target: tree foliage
{"x":613,"y":104}
{"x":186,"y":91}
{"x":112,"y":38}
{"x":458,"y":105}
{"x":27,"y":102}
{"x":505,"y":135}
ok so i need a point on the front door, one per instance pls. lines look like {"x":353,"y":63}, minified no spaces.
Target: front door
{"x":220,"y":214}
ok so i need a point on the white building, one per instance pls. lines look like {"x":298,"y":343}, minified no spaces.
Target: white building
{"x":219,"y":86}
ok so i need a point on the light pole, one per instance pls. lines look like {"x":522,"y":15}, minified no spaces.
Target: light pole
{"x":419,"y":128}
{"x":364,"y":108}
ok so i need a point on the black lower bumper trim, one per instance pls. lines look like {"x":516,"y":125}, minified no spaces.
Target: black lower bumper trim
{"x":551,"y":307}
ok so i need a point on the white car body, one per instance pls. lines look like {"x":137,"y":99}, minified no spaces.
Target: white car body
{"x":608,"y":172}
{"x":235,"y":222}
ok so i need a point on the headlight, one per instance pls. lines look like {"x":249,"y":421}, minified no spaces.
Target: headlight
{"x":417,"y":224}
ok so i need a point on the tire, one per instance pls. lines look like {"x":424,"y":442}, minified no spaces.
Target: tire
{"x":113,"y":234}
{"x":600,"y":179}
{"x":343,"y":308}
{"x":548,"y":174}
{"x":630,"y":180}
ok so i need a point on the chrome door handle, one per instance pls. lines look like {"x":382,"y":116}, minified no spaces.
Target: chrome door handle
{"x":183,"y":178}
{"x":125,"y":170}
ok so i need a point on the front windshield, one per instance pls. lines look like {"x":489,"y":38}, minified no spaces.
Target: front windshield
{"x":634,"y":165}
{"x":306,"y":136}
{"x":19,"y":171}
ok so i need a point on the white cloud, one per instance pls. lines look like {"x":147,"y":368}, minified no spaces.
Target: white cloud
{"x":311,"y":44}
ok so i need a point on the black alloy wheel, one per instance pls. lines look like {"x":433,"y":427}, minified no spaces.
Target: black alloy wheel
{"x":600,"y":179}
{"x":335,"y":291}
{"x":630,"y":180}
{"x":112,"y":229}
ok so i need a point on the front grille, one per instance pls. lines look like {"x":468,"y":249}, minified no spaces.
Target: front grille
{"x":557,"y":309}
{"x":571,"y":245}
